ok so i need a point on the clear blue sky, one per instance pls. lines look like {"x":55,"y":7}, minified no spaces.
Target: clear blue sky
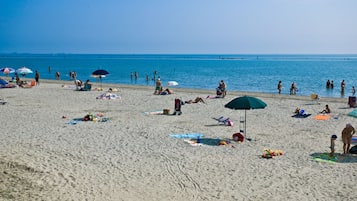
{"x":178,"y":26}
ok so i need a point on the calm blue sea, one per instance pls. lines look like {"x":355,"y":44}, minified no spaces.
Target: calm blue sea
{"x":253,"y":73}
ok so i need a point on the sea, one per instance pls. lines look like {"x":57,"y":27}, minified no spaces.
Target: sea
{"x":240,"y":72}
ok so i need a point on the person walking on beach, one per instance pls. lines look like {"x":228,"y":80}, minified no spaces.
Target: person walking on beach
{"x":347,"y":134}
{"x":280,"y":87}
{"x":37,"y":78}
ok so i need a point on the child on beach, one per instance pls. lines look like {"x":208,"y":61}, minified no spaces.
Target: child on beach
{"x":332,"y":146}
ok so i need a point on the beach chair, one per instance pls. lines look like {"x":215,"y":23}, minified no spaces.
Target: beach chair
{"x":178,"y":103}
{"x":315,"y":98}
{"x":352,"y":101}
{"x":87,"y":87}
{"x":223,"y":120}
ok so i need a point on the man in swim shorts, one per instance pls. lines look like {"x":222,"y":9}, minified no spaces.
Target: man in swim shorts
{"x":347,"y":134}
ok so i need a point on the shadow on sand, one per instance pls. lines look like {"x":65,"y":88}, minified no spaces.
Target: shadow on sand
{"x":339,"y":158}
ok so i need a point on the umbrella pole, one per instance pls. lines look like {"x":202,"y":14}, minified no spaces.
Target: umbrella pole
{"x":245,"y":124}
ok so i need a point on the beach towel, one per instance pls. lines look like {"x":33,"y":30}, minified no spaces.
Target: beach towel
{"x":322,"y":117}
{"x":207,"y":142}
{"x":324,"y":157}
{"x":193,"y":142}
{"x":353,"y":113}
{"x":187,"y":135}
{"x":301,"y":115}
{"x":154,"y":112}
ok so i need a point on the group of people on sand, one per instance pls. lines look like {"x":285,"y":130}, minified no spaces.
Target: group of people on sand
{"x":221,"y":90}
{"x":346,"y":134}
{"x":159,"y":90}
{"x":80,"y":86}
{"x":25,"y":84}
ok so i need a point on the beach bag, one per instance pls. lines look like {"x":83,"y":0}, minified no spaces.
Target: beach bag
{"x":353,"y":150}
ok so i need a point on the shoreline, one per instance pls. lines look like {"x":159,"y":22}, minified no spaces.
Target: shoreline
{"x":200,"y":91}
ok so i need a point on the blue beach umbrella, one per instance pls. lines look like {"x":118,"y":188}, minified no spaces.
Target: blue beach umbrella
{"x":100,"y":73}
{"x":3,"y":82}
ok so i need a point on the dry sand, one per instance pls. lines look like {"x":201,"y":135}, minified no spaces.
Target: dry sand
{"x":131,"y":156}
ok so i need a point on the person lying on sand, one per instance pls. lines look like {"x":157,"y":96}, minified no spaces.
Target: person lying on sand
{"x":166,"y":92}
{"x":197,"y":100}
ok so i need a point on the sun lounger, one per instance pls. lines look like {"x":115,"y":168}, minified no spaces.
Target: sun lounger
{"x":223,"y":120}
{"x":87,"y":87}
{"x":315,"y":98}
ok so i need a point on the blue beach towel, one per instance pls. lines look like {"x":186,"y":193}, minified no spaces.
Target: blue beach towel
{"x":353,"y":113}
{"x":187,"y":135}
{"x":301,"y":115}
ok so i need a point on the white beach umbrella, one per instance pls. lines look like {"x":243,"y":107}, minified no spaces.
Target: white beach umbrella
{"x":172,"y":83}
{"x":24,"y":71}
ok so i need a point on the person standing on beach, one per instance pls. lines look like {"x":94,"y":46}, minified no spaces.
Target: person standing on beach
{"x":280,"y":87}
{"x":37,"y":78}
{"x":347,"y":134}
{"x":332,"y":146}
{"x":158,"y":87}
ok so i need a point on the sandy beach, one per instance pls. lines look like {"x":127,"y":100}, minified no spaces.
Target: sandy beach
{"x":127,"y":153}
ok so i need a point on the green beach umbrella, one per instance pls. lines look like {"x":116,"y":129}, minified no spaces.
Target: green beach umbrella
{"x":245,"y":103}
